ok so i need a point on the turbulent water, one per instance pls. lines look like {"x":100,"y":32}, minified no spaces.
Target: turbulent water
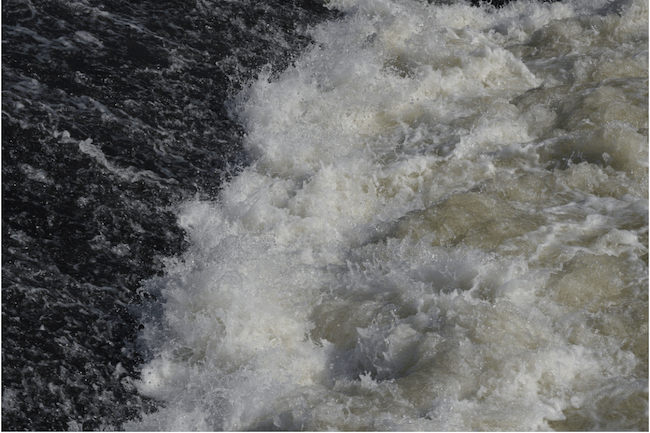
{"x":441,"y":224}
{"x":443,"y":227}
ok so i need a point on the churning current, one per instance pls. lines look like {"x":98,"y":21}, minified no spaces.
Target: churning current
{"x":444,"y":226}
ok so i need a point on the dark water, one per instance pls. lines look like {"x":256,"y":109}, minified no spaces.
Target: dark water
{"x":112,"y":113}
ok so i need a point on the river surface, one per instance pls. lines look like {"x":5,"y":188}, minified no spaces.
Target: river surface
{"x":374,"y":215}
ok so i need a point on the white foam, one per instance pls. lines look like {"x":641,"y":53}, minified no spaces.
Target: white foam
{"x":413,"y":246}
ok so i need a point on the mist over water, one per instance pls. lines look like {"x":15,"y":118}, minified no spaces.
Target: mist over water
{"x":444,"y":226}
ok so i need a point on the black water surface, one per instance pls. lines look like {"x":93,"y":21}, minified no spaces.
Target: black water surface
{"x":112,"y":113}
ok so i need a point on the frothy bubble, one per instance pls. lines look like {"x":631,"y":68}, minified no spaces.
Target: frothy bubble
{"x":444,"y":228}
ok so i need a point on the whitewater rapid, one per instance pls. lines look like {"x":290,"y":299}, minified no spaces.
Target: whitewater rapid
{"x":443,"y":227}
